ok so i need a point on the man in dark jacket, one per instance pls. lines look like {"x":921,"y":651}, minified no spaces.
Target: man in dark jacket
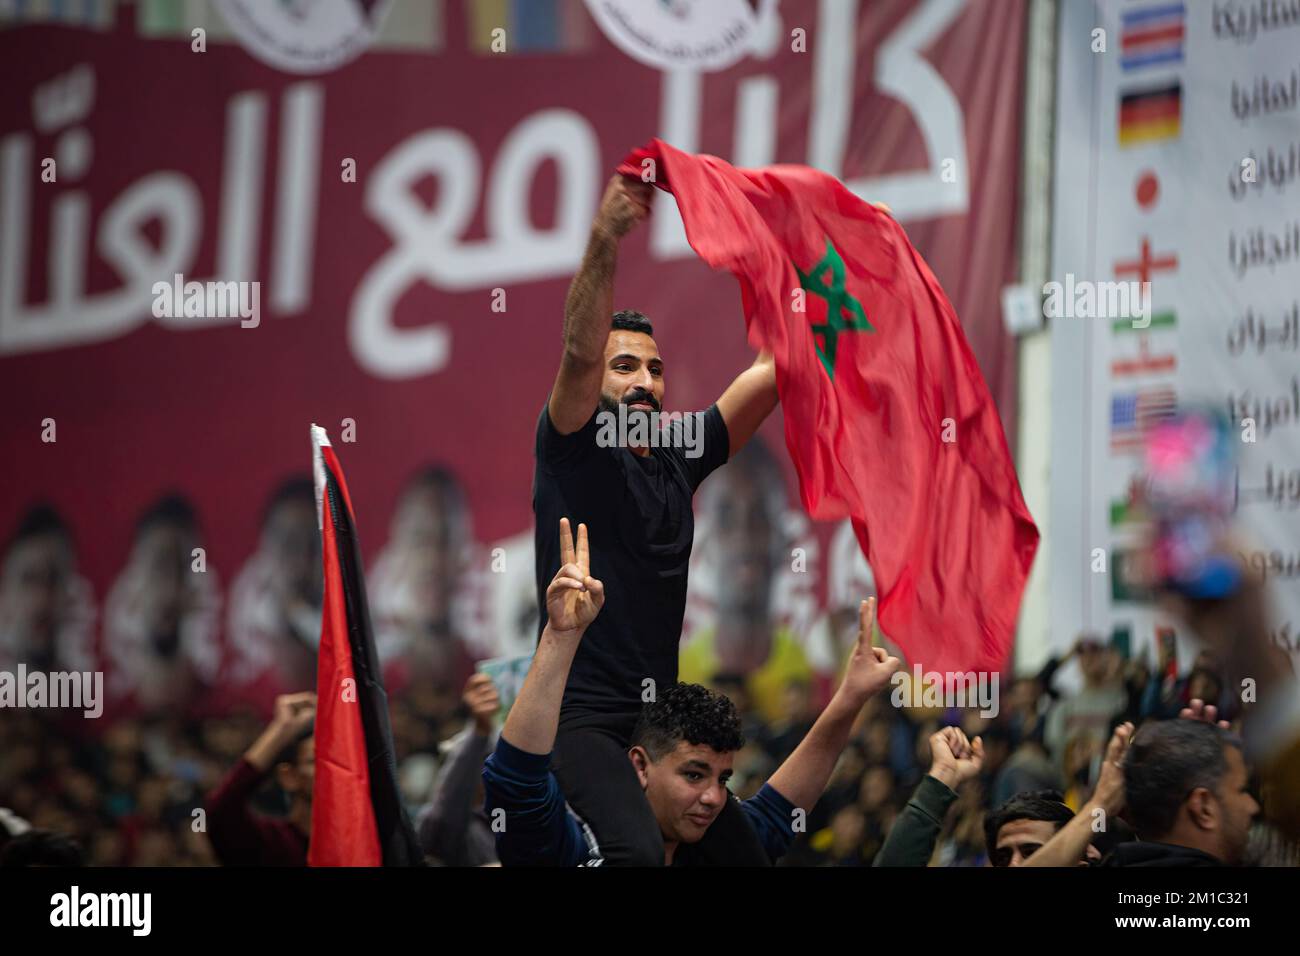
{"x":953,"y":761}
{"x":1013,"y":832}
{"x":1185,"y":783}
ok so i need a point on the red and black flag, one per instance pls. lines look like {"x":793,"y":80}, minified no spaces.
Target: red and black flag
{"x":357,"y":818}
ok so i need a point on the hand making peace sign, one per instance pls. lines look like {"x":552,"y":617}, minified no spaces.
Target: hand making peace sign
{"x":574,"y":597}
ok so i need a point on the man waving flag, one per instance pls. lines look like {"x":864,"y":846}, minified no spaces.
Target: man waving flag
{"x":357,"y":815}
{"x":887,"y":416}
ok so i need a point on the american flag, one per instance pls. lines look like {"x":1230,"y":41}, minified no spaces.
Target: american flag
{"x":1133,"y":414}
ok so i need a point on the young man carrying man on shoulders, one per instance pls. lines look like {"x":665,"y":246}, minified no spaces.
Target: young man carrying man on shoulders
{"x":681,"y":753}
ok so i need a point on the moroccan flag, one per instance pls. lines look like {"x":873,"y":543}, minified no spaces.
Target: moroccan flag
{"x":887,"y":416}
{"x":357,"y":818}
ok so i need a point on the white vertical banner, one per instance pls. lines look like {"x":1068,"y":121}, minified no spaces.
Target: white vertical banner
{"x":1175,"y":282}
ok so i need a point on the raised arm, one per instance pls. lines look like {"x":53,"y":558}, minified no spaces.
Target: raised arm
{"x":589,"y":308}
{"x":293,"y":716}
{"x":443,"y":825}
{"x":521,"y":795}
{"x":954,"y":760}
{"x":748,"y":400}
{"x":1068,"y":846}
{"x":802,"y":778}
{"x":573,"y":600}
{"x":237,"y":834}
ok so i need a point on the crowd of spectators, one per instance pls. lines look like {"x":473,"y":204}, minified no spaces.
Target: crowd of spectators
{"x":135,"y":794}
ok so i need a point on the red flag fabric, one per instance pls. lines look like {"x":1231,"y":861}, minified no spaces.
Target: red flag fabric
{"x":342,"y":820}
{"x":887,"y":416}
{"x":357,"y":818}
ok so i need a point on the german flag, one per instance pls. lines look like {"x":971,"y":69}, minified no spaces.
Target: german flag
{"x":1149,"y":115}
{"x":357,"y":815}
{"x":532,"y":26}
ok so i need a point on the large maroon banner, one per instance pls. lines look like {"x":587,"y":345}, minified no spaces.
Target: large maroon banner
{"x":401,"y":207}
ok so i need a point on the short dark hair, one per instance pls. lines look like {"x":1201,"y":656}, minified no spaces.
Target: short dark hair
{"x":1046,"y":805}
{"x":171,"y":510}
{"x":38,"y":521}
{"x":688,"y":712}
{"x":300,"y":488}
{"x":629,"y":320}
{"x":1166,"y":761}
{"x":451,"y":498}
{"x":42,"y":848}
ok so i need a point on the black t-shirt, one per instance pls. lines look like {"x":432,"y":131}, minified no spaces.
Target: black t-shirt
{"x":640,"y":526}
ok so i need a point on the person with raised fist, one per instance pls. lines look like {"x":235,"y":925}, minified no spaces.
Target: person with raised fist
{"x":954,"y":760}
{"x":241,"y":837}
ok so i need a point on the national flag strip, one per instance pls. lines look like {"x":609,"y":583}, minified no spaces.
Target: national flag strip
{"x":1145,"y":363}
{"x":1133,"y":414}
{"x":1127,"y":510}
{"x":91,"y":14}
{"x":1125,"y":587}
{"x":1152,"y":36}
{"x":1150,"y":115}
{"x":531,"y":26}
{"x":1121,"y":512}
{"x":1161,"y":321}
{"x":357,"y":818}
{"x":397,"y":27}
{"x":1146,"y":265}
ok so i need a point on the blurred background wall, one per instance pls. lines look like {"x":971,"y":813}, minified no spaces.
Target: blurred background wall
{"x":412,"y":193}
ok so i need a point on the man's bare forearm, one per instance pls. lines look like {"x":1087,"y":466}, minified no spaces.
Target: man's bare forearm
{"x":1070,"y":843}
{"x":267,"y":747}
{"x":535,"y":714}
{"x":749,"y":400}
{"x":803,"y":776}
{"x":589,"y":307}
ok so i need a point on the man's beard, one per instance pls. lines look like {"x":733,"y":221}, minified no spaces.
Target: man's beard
{"x":634,"y":415}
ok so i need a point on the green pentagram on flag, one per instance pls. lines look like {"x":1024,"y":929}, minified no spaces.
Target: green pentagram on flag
{"x":844,"y":313}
